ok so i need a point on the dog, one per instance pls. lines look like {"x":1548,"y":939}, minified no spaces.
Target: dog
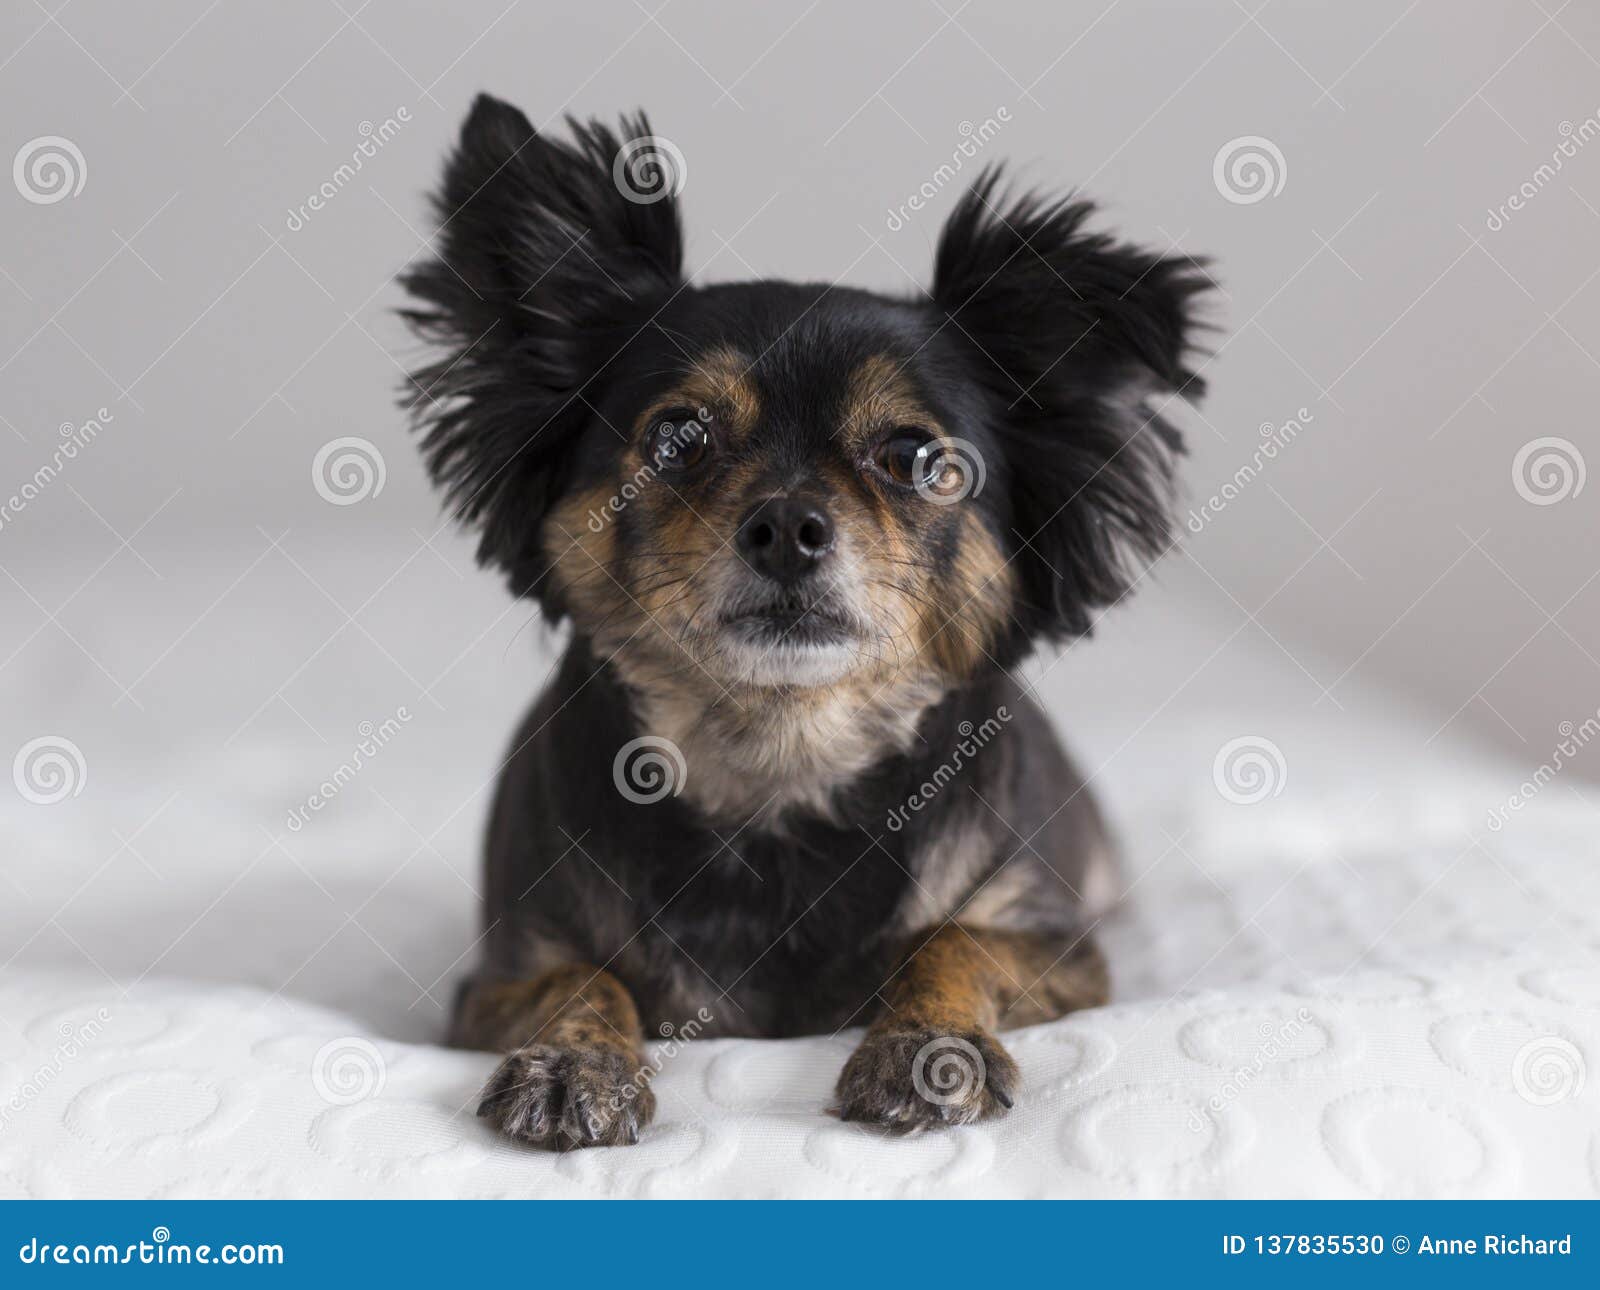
{"x":783,"y":780}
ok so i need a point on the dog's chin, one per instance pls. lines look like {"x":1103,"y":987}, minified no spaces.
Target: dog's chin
{"x":779,"y":648}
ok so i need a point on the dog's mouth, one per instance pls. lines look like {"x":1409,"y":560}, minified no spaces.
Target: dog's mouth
{"x":791,"y":640}
{"x":789,"y":625}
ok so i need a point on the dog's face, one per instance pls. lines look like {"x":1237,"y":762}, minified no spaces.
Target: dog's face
{"x":786,"y":486}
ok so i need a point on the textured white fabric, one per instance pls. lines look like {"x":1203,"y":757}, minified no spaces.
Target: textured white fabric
{"x":1351,"y":987}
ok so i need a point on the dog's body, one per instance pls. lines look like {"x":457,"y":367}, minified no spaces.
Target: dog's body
{"x":696,"y":917}
{"x":783,"y":781}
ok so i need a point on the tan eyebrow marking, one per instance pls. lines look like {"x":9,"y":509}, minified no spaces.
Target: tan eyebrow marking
{"x":881,"y":395}
{"x":720,"y":380}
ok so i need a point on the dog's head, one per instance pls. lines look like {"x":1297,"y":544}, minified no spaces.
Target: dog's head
{"x":777,"y":485}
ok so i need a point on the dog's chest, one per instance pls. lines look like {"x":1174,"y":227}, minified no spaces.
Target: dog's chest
{"x":773,"y":936}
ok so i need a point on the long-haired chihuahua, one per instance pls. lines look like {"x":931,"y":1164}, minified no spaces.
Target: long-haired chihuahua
{"x":783,"y":780}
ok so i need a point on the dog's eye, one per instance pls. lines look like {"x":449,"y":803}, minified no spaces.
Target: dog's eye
{"x":679,"y":440}
{"x":908,"y":457}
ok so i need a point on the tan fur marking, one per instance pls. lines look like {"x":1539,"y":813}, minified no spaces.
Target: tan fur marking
{"x":580,"y":543}
{"x":881,"y":397}
{"x":758,"y":751}
{"x":962,"y":979}
{"x":574,"y":1006}
{"x":719,"y":381}
{"x":964,"y":619}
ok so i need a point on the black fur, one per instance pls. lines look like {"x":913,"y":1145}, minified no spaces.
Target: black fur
{"x":1072,"y":328}
{"x":542,"y":272}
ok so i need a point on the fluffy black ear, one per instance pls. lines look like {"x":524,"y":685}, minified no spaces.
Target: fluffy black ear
{"x":549,"y":254}
{"x":1075,"y":335}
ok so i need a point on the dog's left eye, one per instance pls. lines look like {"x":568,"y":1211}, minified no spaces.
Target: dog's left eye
{"x":679,"y":440}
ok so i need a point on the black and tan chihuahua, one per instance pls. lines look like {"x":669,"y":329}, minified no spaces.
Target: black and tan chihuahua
{"x":784,"y":780}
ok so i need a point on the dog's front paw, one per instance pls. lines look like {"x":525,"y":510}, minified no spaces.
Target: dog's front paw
{"x":915,"y":1078}
{"x":561,"y":1098}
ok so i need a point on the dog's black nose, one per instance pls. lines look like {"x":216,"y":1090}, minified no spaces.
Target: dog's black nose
{"x":785,"y":538}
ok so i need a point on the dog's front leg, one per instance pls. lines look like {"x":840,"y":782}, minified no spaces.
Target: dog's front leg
{"x":931,"y":1057}
{"x":574,"y":1075}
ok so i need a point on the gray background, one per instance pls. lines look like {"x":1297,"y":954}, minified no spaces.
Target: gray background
{"x":1387,"y":545}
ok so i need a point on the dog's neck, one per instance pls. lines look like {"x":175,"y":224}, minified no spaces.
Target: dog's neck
{"x":754,"y":753}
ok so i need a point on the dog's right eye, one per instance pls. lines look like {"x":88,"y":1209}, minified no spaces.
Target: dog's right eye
{"x":679,"y":440}
{"x":908,"y":457}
